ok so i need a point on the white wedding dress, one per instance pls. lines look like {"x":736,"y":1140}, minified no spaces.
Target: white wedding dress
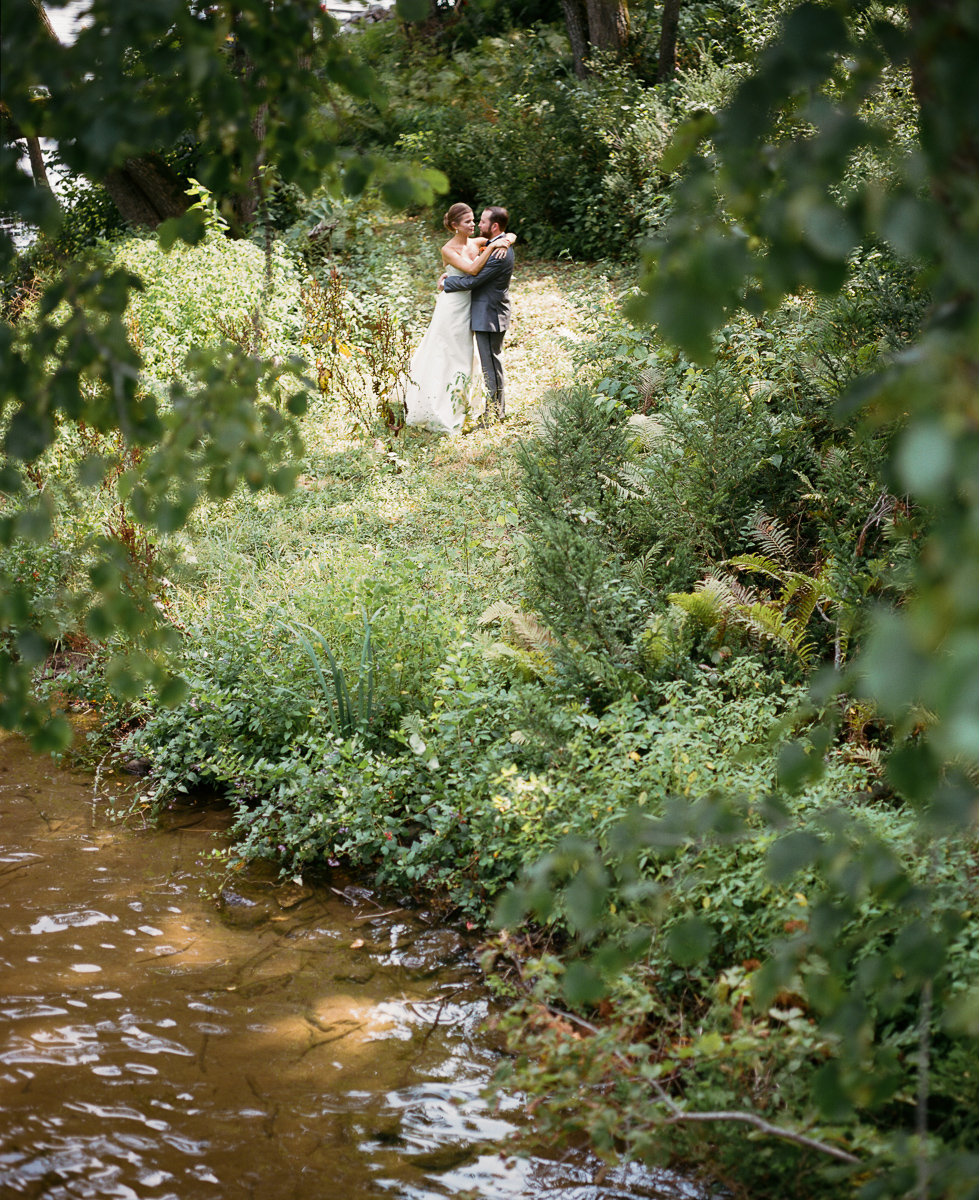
{"x":446,"y":382}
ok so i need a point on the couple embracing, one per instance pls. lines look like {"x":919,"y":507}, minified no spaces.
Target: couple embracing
{"x":465,"y":338}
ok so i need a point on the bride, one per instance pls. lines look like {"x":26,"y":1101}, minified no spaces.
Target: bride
{"x":445,"y":380}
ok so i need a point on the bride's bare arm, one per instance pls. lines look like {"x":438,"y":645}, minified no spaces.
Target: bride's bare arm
{"x":472,"y":266}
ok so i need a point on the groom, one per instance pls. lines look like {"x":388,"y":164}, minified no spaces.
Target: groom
{"x":490,"y":312}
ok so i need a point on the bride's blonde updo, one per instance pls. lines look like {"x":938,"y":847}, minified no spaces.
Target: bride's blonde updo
{"x":455,"y":215}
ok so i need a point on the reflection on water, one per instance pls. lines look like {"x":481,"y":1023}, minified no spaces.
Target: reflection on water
{"x":288,"y":1042}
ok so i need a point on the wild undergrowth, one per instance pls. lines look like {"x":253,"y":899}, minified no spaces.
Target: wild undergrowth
{"x":444,"y":662}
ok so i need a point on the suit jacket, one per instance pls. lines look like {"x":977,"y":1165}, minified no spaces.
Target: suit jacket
{"x":490,"y":310}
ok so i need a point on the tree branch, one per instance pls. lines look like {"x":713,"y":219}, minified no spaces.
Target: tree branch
{"x":765,"y":1127}
{"x":678,"y":1116}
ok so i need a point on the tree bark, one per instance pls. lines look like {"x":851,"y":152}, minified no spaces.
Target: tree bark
{"x":608,"y":23}
{"x":146,"y":191}
{"x":667,"y":41}
{"x":576,"y":19}
{"x":38,"y":169}
{"x":45,"y":19}
{"x":245,"y":204}
{"x":13,"y":135}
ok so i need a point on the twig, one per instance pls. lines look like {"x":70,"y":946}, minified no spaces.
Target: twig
{"x":376,"y":916}
{"x":438,"y":1015}
{"x":168,"y":954}
{"x":355,"y":901}
{"x":678,"y":1116}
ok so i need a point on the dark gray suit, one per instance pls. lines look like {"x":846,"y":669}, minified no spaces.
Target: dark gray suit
{"x":489,"y":318}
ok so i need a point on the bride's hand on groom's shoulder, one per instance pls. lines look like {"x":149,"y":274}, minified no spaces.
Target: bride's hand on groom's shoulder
{"x":507,"y":240}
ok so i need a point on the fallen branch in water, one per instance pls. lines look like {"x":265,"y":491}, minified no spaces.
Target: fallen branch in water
{"x":375,"y":916}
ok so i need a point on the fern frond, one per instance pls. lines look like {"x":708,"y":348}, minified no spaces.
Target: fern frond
{"x":499,"y":610}
{"x":530,"y":633}
{"x":867,"y":756}
{"x":730,"y":592}
{"x":772,"y":625}
{"x":526,"y":665}
{"x":759,"y":563}
{"x":802,"y":591}
{"x":641,"y":569}
{"x":703,"y":606}
{"x":634,"y":478}
{"x":411,"y":724}
{"x":624,"y":492}
{"x":773,"y":537}
{"x":525,"y":628}
{"x":650,"y":381}
{"x":647,"y":430}
{"x":812,"y":493}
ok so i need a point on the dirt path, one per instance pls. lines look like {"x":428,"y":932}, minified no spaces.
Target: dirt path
{"x":538,"y":355}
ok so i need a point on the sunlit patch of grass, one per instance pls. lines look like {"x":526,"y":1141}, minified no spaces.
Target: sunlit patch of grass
{"x":442,"y":509}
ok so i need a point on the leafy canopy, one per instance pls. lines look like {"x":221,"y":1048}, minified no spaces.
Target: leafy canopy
{"x":251,"y":84}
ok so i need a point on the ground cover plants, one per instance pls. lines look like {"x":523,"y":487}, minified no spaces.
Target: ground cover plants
{"x":596,"y":680}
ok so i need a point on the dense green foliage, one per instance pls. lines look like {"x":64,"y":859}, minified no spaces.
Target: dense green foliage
{"x":137,"y":81}
{"x":505,"y":119}
{"x":691,"y":659}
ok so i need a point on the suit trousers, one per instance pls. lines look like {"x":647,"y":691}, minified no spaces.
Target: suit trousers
{"x":490,"y":346}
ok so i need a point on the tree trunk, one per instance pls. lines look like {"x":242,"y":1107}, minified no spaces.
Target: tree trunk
{"x":146,"y":191}
{"x":576,"y":20}
{"x":38,"y":169}
{"x":45,"y":19}
{"x":13,"y":135}
{"x":608,"y":23}
{"x":667,"y":41}
{"x":245,"y":204}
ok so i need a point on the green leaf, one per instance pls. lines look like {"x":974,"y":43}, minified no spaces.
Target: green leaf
{"x":582,"y":984}
{"x":190,"y":228}
{"x":919,"y":952}
{"x":28,"y":434}
{"x":797,"y":767}
{"x":585,"y":899}
{"x":962,"y":1013}
{"x":32,"y":647}
{"x":891,"y":668}
{"x":52,"y":737}
{"x":829,"y":1093}
{"x":173,"y":692}
{"x":790,"y":854}
{"x":123,"y":681}
{"x":686,"y":139}
{"x":357,"y":176}
{"x":914,"y":771}
{"x":925,"y":458}
{"x":690,"y":941}
{"x":412,"y":10}
{"x":399,"y":192}
{"x":511,"y":908}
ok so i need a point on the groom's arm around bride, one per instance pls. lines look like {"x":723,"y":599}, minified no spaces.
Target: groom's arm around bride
{"x":490,"y":311}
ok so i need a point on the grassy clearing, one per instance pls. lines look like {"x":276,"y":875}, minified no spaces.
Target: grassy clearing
{"x":366,"y":507}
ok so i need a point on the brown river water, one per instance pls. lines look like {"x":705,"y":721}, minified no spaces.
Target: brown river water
{"x":282,"y":1042}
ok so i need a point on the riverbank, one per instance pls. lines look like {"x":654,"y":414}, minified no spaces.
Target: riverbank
{"x":280,"y":1040}
{"x":443,"y":662}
